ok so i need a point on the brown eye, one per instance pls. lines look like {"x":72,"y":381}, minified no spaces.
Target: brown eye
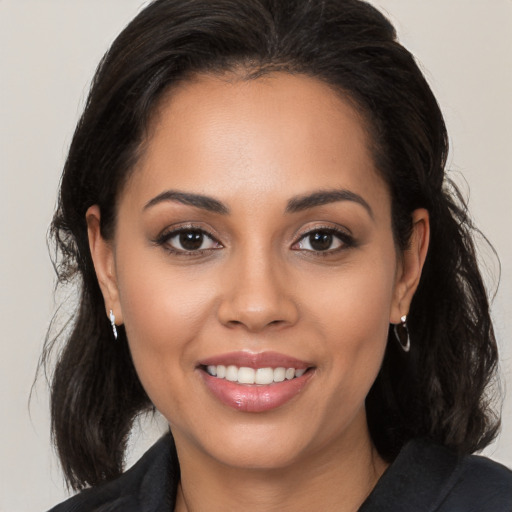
{"x":321,"y":241}
{"x":324,"y":240}
{"x":187,"y":240}
{"x":191,"y":240}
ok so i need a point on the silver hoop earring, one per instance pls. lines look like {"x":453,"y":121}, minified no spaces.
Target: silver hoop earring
{"x":113,"y":323}
{"x":403,"y":337}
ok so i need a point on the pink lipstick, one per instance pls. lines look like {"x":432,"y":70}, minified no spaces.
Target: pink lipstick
{"x":255,"y":382}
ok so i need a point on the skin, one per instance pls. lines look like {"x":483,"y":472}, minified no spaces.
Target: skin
{"x":254,"y":146}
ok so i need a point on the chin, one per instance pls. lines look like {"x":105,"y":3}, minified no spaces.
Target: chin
{"x":260,"y":454}
{"x":254,"y":444}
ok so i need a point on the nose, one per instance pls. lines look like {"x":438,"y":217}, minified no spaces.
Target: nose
{"x":257,"y":294}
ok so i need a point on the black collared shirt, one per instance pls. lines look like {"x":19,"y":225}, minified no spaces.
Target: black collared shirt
{"x":425,"y":477}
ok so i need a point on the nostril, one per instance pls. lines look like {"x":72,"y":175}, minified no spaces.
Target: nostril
{"x":256,"y":312}
{"x":254,"y":325}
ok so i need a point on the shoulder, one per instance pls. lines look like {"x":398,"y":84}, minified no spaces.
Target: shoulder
{"x":479,"y":484}
{"x":427,"y":477}
{"x":151,"y":481}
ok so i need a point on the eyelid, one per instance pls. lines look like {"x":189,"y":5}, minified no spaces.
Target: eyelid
{"x":343,"y":234}
{"x":170,"y":232}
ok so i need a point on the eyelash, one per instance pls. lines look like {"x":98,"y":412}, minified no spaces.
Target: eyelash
{"x":347,"y":241}
{"x":163,"y":240}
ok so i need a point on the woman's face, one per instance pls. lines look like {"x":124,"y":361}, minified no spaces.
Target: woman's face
{"x":255,"y":271}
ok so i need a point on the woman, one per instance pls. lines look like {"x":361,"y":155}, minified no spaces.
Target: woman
{"x":270,"y":255}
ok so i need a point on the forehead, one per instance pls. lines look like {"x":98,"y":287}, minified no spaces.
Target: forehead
{"x":232,"y":138}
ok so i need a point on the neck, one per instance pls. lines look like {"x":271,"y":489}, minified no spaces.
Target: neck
{"x":338,"y":478}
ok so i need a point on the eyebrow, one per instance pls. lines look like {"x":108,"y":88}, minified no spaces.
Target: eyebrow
{"x":199,"y":201}
{"x":305,"y":202}
{"x":294,"y":205}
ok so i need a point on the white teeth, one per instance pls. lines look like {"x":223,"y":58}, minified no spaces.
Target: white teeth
{"x":279,"y":374}
{"x":246,"y":375}
{"x":262,"y":376}
{"x":232,"y":373}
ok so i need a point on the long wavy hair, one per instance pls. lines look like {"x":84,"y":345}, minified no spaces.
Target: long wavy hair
{"x":439,"y":389}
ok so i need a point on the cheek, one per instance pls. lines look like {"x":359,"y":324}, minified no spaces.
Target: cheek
{"x":163,"y":313}
{"x":158,"y":298}
{"x":353,"y":309}
{"x":356,"y":299}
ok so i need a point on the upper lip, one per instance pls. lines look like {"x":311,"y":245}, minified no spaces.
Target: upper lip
{"x":255,"y":360}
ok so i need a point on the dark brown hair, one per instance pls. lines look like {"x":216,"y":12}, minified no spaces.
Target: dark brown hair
{"x":438,"y":390}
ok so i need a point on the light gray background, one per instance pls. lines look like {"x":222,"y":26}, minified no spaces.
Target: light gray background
{"x":48,"y":52}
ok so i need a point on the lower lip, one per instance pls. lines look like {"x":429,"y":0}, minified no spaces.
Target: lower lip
{"x":255,"y":398}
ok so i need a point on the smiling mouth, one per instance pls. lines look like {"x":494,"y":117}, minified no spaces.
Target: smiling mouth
{"x":258,"y":383}
{"x":254,"y":376}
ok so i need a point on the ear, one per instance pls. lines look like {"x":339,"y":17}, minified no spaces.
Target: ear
{"x":102,"y":254}
{"x":411,"y":265}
